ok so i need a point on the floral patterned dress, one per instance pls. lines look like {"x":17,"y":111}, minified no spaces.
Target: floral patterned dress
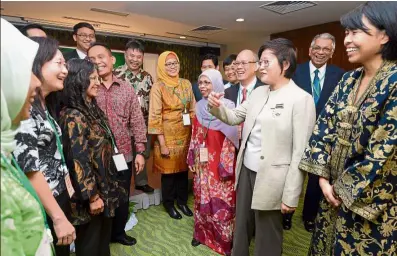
{"x":214,"y":194}
{"x":354,"y":146}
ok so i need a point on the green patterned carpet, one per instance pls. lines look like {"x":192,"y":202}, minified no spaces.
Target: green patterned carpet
{"x":159,"y":235}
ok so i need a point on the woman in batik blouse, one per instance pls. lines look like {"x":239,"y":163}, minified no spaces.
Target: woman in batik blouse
{"x":354,"y":144}
{"x":89,"y":147}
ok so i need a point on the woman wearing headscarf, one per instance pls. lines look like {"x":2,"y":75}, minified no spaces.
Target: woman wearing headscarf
{"x":212,"y":157}
{"x":23,"y":219}
{"x":171,"y":110}
{"x":353,"y":148}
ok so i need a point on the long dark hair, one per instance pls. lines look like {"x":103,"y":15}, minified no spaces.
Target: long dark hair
{"x":74,"y":94}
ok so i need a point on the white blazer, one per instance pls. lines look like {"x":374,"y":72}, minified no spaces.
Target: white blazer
{"x":284,"y":139}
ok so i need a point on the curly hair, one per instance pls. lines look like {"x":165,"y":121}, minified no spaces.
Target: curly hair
{"x":74,"y":94}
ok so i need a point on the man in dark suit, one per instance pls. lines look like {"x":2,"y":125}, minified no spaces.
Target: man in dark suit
{"x":207,"y":61}
{"x":84,"y":36}
{"x":319,"y":79}
{"x":246,"y":65}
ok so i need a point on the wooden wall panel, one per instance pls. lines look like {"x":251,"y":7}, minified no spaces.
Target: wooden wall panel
{"x":303,"y":37}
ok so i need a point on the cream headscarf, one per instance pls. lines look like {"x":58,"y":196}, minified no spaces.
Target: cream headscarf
{"x":162,"y":73}
{"x":17,"y":56}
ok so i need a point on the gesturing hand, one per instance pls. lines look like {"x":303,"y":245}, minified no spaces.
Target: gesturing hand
{"x":214,"y":99}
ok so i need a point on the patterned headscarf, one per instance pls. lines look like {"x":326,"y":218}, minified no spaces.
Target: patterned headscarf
{"x":17,"y":56}
{"x":205,"y":118}
{"x":162,"y":73}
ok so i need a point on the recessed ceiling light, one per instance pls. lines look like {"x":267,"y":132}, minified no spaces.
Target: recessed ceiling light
{"x":240,"y":20}
{"x":182,"y":37}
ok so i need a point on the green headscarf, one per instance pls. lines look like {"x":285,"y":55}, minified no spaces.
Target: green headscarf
{"x":17,"y":56}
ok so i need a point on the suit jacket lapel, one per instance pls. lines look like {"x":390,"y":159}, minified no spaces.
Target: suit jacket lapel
{"x":234,"y":94}
{"x":257,"y":106}
{"x":307,"y":81}
{"x":327,"y":86}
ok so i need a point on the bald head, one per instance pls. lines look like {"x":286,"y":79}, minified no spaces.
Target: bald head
{"x":247,"y":65}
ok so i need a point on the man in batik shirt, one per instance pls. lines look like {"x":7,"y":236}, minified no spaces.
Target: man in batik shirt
{"x":132,"y":73}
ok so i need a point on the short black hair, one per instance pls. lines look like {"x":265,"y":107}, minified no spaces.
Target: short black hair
{"x":100,"y":44}
{"x":135,"y":45}
{"x":24,"y":29}
{"x":82,"y":25}
{"x":48,"y":48}
{"x":284,"y":50}
{"x":229,"y":60}
{"x":383,"y":16}
{"x":210,"y":56}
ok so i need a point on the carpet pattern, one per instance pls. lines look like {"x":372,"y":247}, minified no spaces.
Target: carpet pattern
{"x":159,"y":235}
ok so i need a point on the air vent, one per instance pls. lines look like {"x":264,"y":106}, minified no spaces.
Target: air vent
{"x":176,"y":34}
{"x":122,"y":14}
{"x":207,"y":30}
{"x":284,"y":7}
{"x":96,"y":23}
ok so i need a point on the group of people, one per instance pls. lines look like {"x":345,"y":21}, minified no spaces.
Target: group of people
{"x":74,"y":132}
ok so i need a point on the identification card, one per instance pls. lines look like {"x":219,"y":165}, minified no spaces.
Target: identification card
{"x":203,"y":155}
{"x":120,"y":162}
{"x":186,"y":119}
{"x":69,"y":185}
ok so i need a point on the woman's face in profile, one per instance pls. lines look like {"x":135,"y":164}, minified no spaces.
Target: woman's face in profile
{"x":269,"y":69}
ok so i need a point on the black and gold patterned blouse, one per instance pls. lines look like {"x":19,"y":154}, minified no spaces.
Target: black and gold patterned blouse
{"x":354,"y":146}
{"x":88,"y":151}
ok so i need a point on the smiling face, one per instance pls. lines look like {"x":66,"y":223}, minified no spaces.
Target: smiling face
{"x":32,"y":92}
{"x":270,"y":71}
{"x":246,"y":66}
{"x":361,"y":47}
{"x":54,"y":73}
{"x":104,"y":60}
{"x":230,"y":72}
{"x":205,"y":86}
{"x":172,"y":65}
{"x":84,"y":38}
{"x":92,"y":90}
{"x":321,"y":52}
{"x":133,"y":59}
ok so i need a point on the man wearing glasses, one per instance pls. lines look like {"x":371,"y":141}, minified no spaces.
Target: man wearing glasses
{"x":319,"y":79}
{"x":246,"y":65}
{"x":84,"y":36}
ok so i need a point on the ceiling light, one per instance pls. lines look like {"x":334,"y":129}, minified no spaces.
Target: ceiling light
{"x":240,"y":19}
{"x":182,"y":37}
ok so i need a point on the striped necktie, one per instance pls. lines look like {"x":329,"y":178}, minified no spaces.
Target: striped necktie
{"x":316,"y":86}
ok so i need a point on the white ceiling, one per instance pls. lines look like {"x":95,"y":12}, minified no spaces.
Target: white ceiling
{"x":159,"y":17}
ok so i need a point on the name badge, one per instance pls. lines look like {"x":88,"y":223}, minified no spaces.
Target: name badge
{"x":186,"y":118}
{"x":119,"y":161}
{"x":69,"y":185}
{"x":203,"y":154}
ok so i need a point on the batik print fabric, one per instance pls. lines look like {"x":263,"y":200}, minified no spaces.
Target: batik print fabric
{"x":142,"y":84}
{"x":88,"y":152}
{"x":354,"y":145}
{"x":37,"y":149}
{"x":214,"y":195}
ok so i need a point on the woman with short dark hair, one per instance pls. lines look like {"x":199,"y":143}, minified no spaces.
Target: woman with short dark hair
{"x":354,"y":144}
{"x":278,"y":120}
{"x":89,"y":146}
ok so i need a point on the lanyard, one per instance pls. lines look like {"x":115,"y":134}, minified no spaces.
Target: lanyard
{"x":109,"y":132}
{"x":23,"y":180}
{"x":57,"y":136}
{"x":184,"y":100}
{"x":208,"y":126}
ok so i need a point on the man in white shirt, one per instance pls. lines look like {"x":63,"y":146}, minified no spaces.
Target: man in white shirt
{"x":319,"y":79}
{"x":84,"y":36}
{"x":246,"y":65}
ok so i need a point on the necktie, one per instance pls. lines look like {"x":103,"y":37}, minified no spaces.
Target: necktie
{"x":240,"y":132}
{"x":316,"y":86}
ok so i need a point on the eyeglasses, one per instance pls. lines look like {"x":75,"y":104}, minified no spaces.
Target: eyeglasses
{"x":92,"y":36}
{"x":318,"y":49}
{"x":265,"y":63}
{"x":244,"y":63}
{"x":206,"y":83}
{"x":172,"y":64}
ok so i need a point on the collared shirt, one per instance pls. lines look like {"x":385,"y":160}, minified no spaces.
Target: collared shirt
{"x":122,"y":109}
{"x":142,"y":83}
{"x":229,"y":84}
{"x":249,"y":88}
{"x":81,"y":54}
{"x":321,"y":74}
{"x":37,"y":149}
